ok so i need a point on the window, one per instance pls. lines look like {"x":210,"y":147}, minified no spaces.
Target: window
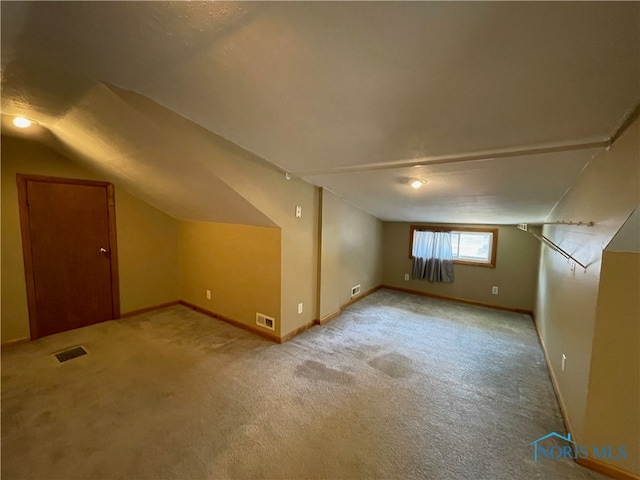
{"x":470,"y":246}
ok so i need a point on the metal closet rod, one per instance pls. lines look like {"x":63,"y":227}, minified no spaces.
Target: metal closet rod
{"x":553,"y":246}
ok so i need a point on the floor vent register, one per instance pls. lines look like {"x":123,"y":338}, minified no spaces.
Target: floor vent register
{"x":70,"y":354}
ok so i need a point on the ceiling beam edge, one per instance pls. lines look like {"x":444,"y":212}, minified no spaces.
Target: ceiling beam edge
{"x":631,"y":117}
{"x":469,"y":157}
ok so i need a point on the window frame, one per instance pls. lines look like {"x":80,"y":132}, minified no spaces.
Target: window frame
{"x":450,"y":228}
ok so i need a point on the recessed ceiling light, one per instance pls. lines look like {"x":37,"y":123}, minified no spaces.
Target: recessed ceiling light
{"x":21,"y":122}
{"x":417,"y":183}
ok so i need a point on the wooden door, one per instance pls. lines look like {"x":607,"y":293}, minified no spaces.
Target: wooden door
{"x":68,"y":233}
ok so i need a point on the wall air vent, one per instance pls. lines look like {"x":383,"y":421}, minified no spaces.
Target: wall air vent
{"x":355,"y":290}
{"x":265,"y":322}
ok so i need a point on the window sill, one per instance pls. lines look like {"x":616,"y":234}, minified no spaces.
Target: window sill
{"x":475,"y":264}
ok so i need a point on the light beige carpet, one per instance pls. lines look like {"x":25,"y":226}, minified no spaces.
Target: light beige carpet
{"x":397,"y":387}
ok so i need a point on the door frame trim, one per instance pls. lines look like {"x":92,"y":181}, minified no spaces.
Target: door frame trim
{"x":23,"y":208}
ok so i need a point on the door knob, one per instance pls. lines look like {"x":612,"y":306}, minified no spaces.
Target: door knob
{"x":104,"y":251}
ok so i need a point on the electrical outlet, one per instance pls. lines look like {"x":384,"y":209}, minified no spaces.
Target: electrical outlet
{"x":494,"y":290}
{"x":564,"y":361}
{"x":299,"y":308}
{"x":298,"y":211}
{"x":406,"y":277}
{"x":208,"y":294}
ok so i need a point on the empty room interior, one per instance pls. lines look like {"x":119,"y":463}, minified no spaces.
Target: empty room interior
{"x":339,"y":240}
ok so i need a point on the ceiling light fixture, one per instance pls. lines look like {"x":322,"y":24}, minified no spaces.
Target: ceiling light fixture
{"x":417,"y":183}
{"x":22,"y":122}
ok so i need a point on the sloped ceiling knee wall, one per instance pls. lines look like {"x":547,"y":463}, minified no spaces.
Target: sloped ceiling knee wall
{"x":159,"y":156}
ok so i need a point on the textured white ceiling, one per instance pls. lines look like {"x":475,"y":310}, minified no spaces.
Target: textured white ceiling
{"x":508,"y":189}
{"x":335,"y":91}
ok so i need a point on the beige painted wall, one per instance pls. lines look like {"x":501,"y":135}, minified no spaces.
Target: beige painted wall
{"x":514,"y":273}
{"x":606,"y":192}
{"x":267,"y":188}
{"x":613,"y":402}
{"x":221,"y":182}
{"x":628,"y":237}
{"x":147,"y":239}
{"x":351,"y":252}
{"x":240,"y":264}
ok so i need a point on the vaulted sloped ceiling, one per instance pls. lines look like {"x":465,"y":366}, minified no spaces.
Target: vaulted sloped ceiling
{"x":357,"y":97}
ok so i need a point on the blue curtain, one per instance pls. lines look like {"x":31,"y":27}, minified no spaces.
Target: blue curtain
{"x":432,"y":256}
